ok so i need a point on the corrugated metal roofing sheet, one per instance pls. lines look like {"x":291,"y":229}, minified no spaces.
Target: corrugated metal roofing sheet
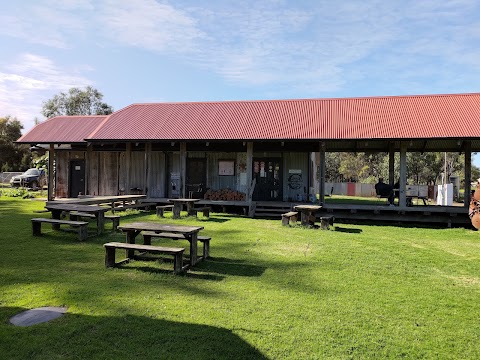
{"x":393,"y":117}
{"x":422,"y":116}
{"x":62,"y":129}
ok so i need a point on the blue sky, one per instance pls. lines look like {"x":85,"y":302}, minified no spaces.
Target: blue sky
{"x":147,"y":51}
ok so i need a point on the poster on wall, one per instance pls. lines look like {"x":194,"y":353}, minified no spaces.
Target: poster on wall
{"x":226,"y":167}
{"x":295,"y":180}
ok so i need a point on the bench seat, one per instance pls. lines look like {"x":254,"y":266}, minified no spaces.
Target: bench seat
{"x":76,"y":215}
{"x":147,"y":239}
{"x":204,"y":209}
{"x":115,"y":221}
{"x":161,"y":209}
{"x":142,"y":205}
{"x":80,"y":226}
{"x":110,"y":248}
{"x":291,"y":215}
{"x":326,"y":221}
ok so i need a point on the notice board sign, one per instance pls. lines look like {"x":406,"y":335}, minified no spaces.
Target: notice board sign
{"x":226,"y":167}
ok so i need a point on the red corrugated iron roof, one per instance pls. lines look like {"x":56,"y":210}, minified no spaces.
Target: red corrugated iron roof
{"x":422,"y":116}
{"x":392,"y":117}
{"x":62,"y":129}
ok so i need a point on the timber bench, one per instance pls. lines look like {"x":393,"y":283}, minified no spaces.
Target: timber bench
{"x":147,"y":239}
{"x":204,"y":209}
{"x":291,"y":215}
{"x":77,"y":215}
{"x":130,"y":248}
{"x":326,"y":221}
{"x":115,"y":221}
{"x":142,"y":205}
{"x":79,"y":226}
{"x":161,"y":209}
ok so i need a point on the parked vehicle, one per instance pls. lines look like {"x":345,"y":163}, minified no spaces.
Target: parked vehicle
{"x":32,"y":178}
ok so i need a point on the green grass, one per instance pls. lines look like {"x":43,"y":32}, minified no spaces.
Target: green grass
{"x":268,"y":292}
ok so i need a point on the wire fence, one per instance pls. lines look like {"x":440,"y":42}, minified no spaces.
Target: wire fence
{"x":7,"y":175}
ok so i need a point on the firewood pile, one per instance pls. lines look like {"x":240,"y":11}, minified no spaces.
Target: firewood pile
{"x":224,"y":194}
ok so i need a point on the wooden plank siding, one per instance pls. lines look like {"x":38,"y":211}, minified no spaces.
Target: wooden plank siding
{"x":61,"y":173}
{"x":107,"y":172}
{"x":92,"y":180}
{"x":295,"y":161}
{"x":156,"y":181}
{"x":137,"y":170}
{"x":62,"y":169}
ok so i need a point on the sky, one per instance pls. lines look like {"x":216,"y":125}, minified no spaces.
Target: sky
{"x":198,"y":50}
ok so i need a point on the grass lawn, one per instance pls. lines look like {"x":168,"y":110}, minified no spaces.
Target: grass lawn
{"x":268,"y":292}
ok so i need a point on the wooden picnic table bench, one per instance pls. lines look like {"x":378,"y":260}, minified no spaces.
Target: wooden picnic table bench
{"x":326,"y":221}
{"x":138,"y":205}
{"x":147,"y":240}
{"x":77,"y":215}
{"x":130,"y":248}
{"x":188,"y":232}
{"x":79,"y":226}
{"x":204,"y":209}
{"x":99,"y":211}
{"x":161,"y":209}
{"x":307,"y":213}
{"x":291,"y":215}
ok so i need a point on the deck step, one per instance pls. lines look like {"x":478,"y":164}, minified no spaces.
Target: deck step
{"x":271,"y":210}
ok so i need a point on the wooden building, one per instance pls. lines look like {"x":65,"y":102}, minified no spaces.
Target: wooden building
{"x":266,"y":150}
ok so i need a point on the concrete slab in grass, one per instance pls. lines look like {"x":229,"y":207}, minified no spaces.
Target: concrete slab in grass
{"x":38,"y":315}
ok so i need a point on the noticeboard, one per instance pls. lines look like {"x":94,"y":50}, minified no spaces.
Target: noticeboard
{"x":226,"y":167}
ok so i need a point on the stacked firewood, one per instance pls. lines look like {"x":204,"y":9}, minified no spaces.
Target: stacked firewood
{"x":224,"y":194}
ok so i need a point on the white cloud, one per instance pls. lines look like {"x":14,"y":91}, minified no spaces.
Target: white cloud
{"x":31,"y":80}
{"x":47,"y":22}
{"x":150,"y":25}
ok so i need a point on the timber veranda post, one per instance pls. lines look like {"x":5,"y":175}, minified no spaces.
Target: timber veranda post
{"x":402,"y":198}
{"x":468,"y":173}
{"x":183,"y":168}
{"x":391,"y":163}
{"x":321,"y":180}
{"x":51,"y":183}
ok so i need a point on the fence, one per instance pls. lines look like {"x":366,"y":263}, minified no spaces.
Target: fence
{"x":7,"y":175}
{"x":368,"y":190}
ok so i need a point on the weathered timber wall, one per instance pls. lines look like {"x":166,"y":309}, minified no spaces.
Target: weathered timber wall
{"x":293,"y":163}
{"x":62,"y":168}
{"x":92,"y":171}
{"x":137,"y":171}
{"x":108,"y":173}
{"x":156,"y":182}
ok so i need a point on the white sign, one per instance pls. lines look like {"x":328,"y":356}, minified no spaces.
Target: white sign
{"x":226,"y":167}
{"x":243,"y":179}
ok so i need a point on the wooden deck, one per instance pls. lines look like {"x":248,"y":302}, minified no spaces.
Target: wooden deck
{"x":424,"y":214}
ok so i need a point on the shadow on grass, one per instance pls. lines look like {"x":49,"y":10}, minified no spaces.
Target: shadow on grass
{"x":347,"y":230}
{"x":212,"y":265}
{"x":188,"y":273}
{"x":214,"y":219}
{"x":123,"y":337}
{"x":226,"y":266}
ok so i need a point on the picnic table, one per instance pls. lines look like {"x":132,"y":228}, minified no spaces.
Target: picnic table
{"x":98,"y":200}
{"x":307,"y":213}
{"x":99,"y":212}
{"x":190,"y":233}
{"x":178,"y":203}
